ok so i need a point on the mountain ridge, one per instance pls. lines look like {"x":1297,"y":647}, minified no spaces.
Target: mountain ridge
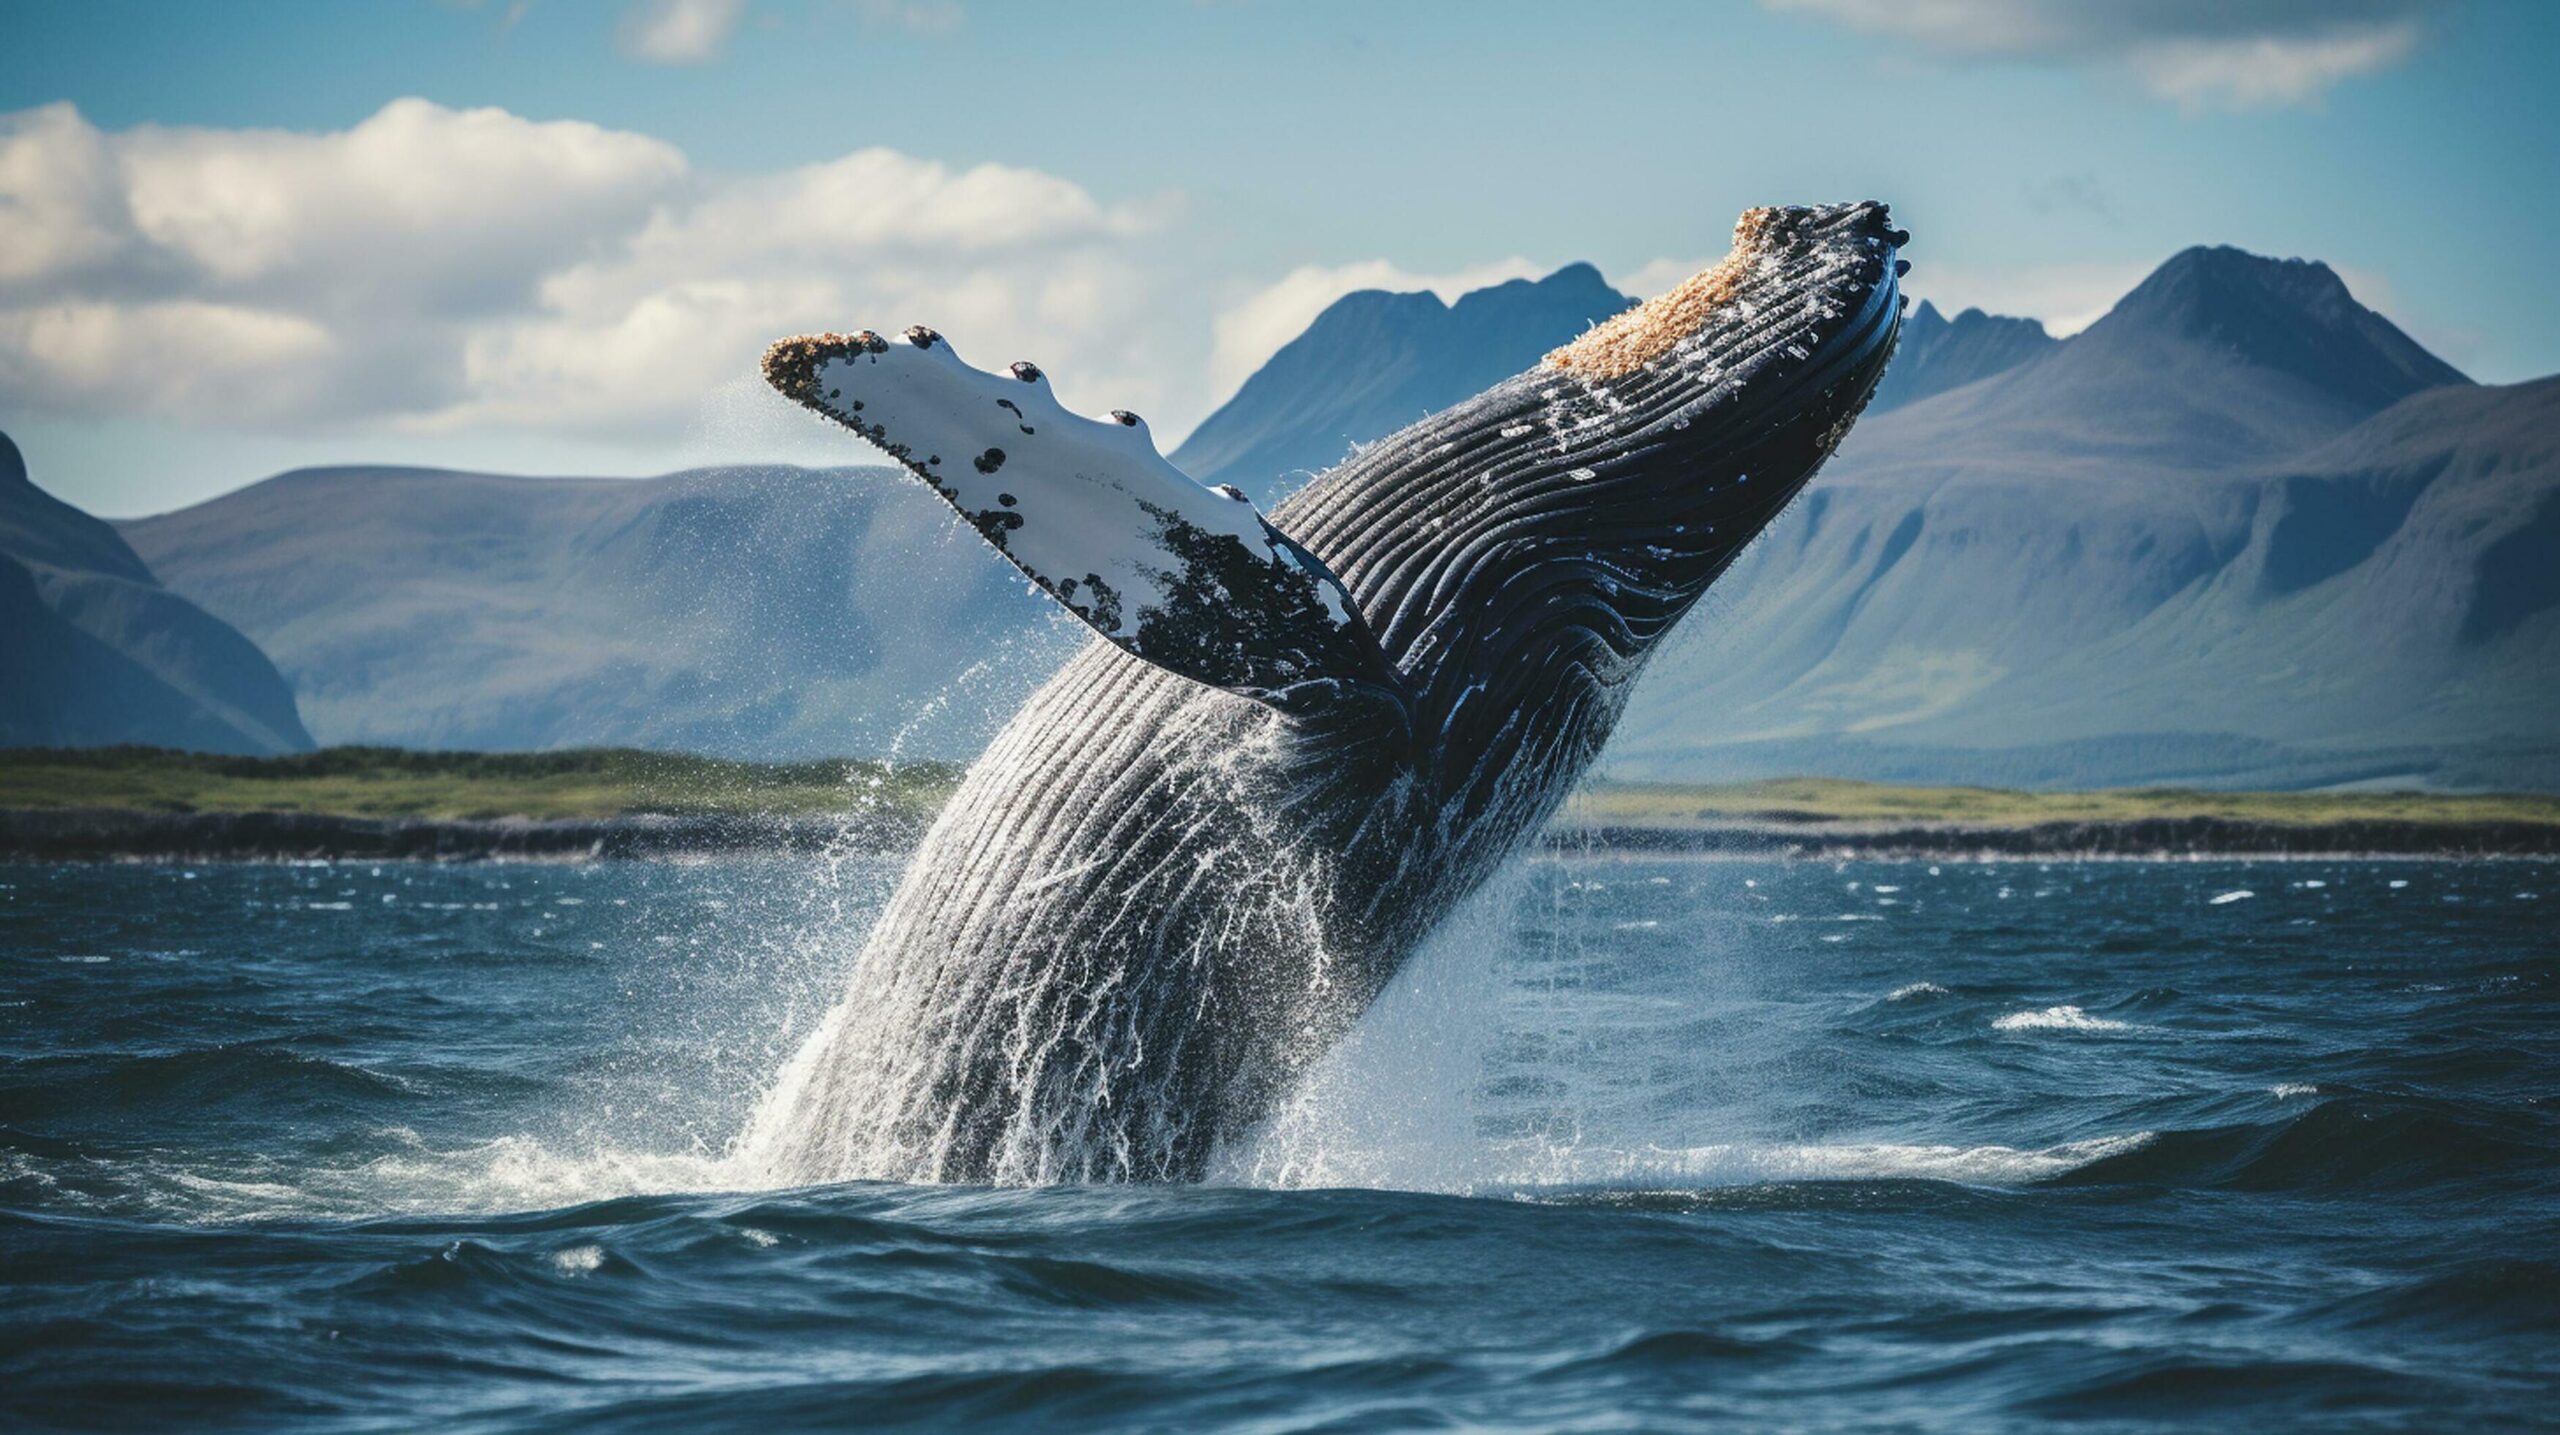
{"x":95,"y":651}
{"x":1374,"y":361}
{"x":2165,"y":550}
{"x":2241,"y":530}
{"x":750,"y":610}
{"x":1937,"y":354}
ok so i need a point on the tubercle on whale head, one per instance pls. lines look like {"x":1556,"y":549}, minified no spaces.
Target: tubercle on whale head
{"x":1700,"y":414}
{"x":1762,"y":238}
{"x":1523,"y":552}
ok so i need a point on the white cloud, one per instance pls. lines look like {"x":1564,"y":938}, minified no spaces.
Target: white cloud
{"x":1661,"y":276}
{"x":1252,"y":329}
{"x":2067,"y":297}
{"x":184,"y":355}
{"x":921,"y":17}
{"x":2237,"y":54}
{"x":450,"y":271}
{"x":2266,"y":71}
{"x":679,"y":32}
{"x":61,"y":207}
{"x":419,"y":206}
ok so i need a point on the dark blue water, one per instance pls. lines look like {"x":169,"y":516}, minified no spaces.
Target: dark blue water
{"x":1639,"y":1145}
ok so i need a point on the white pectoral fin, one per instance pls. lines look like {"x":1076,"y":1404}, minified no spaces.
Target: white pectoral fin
{"x":1191,"y":579}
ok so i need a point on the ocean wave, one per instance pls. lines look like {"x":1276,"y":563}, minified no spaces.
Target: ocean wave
{"x":2057,"y":1018}
{"x":2344,"y":1143}
{"x":270,"y":1079}
{"x":1696,"y":1167}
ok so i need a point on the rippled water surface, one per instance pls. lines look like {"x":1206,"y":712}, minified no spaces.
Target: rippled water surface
{"x":1637,"y":1144}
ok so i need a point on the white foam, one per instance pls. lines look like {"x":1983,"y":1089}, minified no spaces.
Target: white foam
{"x":2291,"y":1090}
{"x":1661,"y":1168}
{"x":2056,"y":1018}
{"x":1916,"y":989}
{"x":2224,"y":899}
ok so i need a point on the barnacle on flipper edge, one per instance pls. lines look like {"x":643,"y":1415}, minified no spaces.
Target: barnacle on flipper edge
{"x":791,"y":365}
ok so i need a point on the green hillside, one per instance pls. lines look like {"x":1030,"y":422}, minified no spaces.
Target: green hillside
{"x":606,"y":782}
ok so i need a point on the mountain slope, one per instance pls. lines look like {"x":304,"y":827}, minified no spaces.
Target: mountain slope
{"x":1373,"y":362}
{"x":93,"y":651}
{"x":2240,"y":530}
{"x":1937,"y":353}
{"x":2219,"y":358}
{"x":754,"y":612}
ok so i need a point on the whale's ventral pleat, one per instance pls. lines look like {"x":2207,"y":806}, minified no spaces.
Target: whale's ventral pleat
{"x":1191,"y":579}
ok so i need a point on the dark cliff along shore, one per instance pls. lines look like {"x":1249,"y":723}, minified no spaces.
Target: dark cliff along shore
{"x":380,"y":804}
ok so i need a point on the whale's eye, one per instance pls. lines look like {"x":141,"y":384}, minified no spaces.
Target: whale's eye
{"x":1026,"y":371}
{"x":922,"y":337}
{"x":1126,"y":418}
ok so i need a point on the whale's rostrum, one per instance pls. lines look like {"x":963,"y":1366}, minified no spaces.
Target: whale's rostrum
{"x":1197,"y":854}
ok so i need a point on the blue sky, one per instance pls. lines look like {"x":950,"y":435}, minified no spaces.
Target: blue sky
{"x":552,"y":236}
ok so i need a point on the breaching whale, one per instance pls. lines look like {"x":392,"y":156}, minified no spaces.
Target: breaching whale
{"x":1195,"y":856}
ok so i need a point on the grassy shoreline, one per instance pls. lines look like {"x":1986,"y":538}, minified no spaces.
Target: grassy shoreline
{"x":389,"y":783}
{"x":601,"y":784}
{"x":1809,"y":800}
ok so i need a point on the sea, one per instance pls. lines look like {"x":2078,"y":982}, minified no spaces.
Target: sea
{"x":1637,"y":1143}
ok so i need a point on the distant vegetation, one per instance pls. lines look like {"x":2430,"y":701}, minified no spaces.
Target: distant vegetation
{"x":396,"y":782}
{"x":1819,"y":799}
{"x":608,"y":782}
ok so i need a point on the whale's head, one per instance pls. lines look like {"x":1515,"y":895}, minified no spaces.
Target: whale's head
{"x":1519,"y":555}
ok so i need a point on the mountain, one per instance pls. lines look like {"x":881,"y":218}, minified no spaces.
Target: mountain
{"x":1373,"y":362}
{"x":93,"y":651}
{"x":2242,"y":530}
{"x":2218,"y":358}
{"x":760,"y":612}
{"x":1937,"y":353}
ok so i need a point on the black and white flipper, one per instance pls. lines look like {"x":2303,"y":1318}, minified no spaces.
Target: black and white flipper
{"x":1189,"y":578}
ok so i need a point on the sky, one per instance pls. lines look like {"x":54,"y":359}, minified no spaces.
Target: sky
{"x":539,"y":236}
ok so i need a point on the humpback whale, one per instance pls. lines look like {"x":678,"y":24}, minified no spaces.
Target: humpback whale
{"x":1297,"y":740}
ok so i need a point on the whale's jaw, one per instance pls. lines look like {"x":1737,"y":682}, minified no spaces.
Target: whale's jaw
{"x":1153,"y":904}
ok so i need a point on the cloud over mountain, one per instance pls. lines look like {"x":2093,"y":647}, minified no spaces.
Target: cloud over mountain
{"x":678,"y":32}
{"x":430,"y":268}
{"x":2237,"y":54}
